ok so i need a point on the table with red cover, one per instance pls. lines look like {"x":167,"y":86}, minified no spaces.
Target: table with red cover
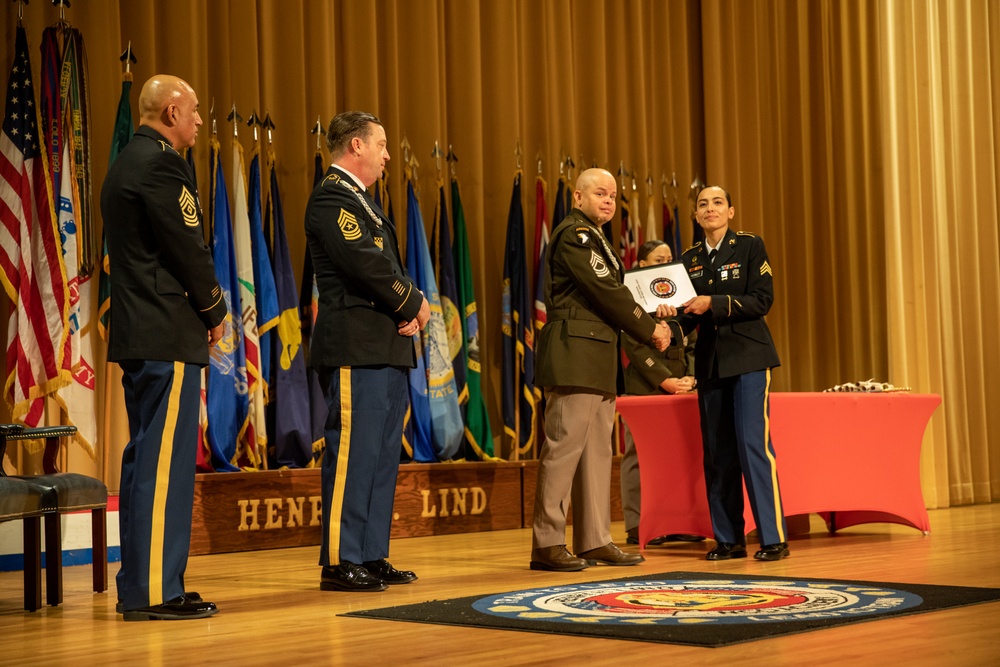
{"x":851,"y":457}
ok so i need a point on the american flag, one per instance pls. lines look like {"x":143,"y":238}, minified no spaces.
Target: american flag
{"x":30,"y":253}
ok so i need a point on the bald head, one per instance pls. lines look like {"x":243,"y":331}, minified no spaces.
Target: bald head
{"x":159,"y":92}
{"x":589,"y":177}
{"x":168,"y":104}
{"x":595,"y":195}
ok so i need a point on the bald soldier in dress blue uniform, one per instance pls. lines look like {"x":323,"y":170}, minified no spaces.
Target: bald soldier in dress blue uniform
{"x":369,"y":309}
{"x":734,"y":356}
{"x":166,"y":311}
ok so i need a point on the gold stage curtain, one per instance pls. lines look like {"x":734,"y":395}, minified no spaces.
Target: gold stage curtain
{"x":858,"y":138}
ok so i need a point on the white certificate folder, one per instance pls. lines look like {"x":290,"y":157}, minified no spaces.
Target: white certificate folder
{"x":662,"y":283}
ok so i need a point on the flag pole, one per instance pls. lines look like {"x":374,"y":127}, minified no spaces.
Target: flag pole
{"x":517,"y":366}
{"x":129,"y":59}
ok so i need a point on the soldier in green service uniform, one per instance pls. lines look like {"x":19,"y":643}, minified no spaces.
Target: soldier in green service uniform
{"x":578,"y":365}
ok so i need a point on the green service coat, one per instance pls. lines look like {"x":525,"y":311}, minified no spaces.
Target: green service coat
{"x":587,"y":308}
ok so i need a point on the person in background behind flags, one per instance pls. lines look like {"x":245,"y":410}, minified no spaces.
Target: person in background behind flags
{"x":734,"y":356}
{"x":164,"y":298}
{"x":671,"y":372}
{"x":369,"y":309}
{"x":579,"y":368}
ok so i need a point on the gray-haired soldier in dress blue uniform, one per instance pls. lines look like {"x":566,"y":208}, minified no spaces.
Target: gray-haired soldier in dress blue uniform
{"x":167,"y":309}
{"x":369,"y":310}
{"x":734,"y":356}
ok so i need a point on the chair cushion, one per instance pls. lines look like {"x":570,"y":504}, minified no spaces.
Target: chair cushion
{"x":20,"y":499}
{"x":72,"y":491}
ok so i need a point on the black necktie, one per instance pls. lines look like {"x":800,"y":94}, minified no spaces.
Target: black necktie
{"x":711,"y":257}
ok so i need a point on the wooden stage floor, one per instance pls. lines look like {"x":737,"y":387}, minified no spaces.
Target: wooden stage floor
{"x":273,"y":613}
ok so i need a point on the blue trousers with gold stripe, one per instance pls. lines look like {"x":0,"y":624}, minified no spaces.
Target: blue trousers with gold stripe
{"x":157,"y":482}
{"x":364,"y":433}
{"x":736,"y":437}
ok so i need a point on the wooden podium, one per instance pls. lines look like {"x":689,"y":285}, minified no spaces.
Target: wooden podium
{"x":281,"y":508}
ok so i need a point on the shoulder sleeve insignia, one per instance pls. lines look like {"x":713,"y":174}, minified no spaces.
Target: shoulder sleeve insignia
{"x":597,"y":263}
{"x":583,"y":236}
{"x":349,"y":225}
{"x":766,"y":268}
{"x":189,"y":207}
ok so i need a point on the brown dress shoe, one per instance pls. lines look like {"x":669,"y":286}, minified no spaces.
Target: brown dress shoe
{"x":609,"y":554}
{"x":556,"y":559}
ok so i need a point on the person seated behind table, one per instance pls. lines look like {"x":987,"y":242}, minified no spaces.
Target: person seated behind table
{"x":651,"y":372}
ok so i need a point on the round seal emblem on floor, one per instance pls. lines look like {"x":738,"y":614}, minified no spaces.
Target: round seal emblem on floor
{"x":696,"y":601}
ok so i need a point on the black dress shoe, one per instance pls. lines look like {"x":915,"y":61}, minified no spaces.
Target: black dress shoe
{"x":177,"y":609}
{"x":350,"y":577}
{"x":190,"y":595}
{"x":725,"y":551}
{"x":773,"y":551}
{"x":384,"y":570}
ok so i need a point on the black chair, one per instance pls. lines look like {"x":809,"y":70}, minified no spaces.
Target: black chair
{"x":61,"y":492}
{"x":20,"y":500}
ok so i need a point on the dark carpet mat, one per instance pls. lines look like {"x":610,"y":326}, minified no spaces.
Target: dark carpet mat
{"x":693,"y":608}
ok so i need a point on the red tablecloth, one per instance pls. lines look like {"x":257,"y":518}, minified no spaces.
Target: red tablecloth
{"x":852,"y":457}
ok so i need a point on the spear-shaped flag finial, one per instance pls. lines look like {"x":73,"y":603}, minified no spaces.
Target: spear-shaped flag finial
{"x":452,"y":160}
{"x":318,"y":131}
{"x":235,"y":118}
{"x":128,"y":57}
{"x":405,"y":146}
{"x":268,"y":125}
{"x":254,"y":122}
{"x":437,"y":154}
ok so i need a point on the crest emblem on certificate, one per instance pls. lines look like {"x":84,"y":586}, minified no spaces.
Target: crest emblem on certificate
{"x":663,"y":288}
